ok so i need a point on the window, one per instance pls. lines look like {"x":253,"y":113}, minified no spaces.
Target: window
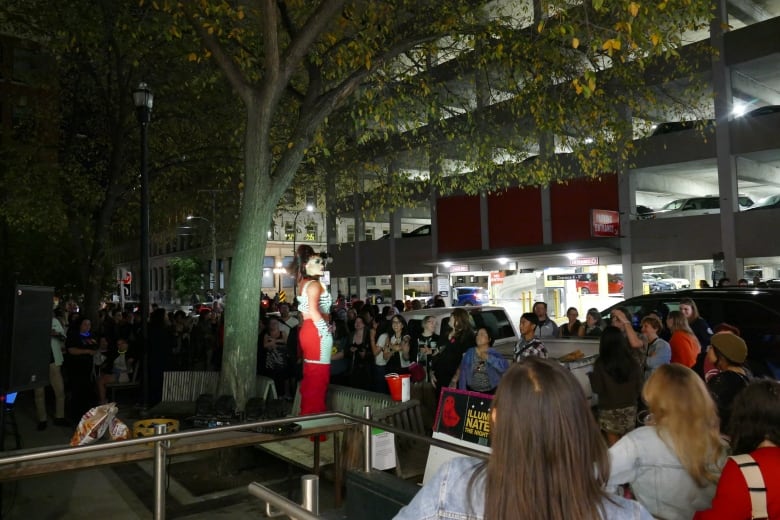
{"x":371,"y":280}
{"x":311,"y":232}
{"x":350,"y":232}
{"x":289,"y":231}
{"x":369,"y":233}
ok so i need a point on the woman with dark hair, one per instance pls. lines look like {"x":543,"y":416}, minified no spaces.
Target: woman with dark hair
{"x":593,"y":324}
{"x":673,"y":462}
{"x":314,"y":339}
{"x":451,"y":350}
{"x":359,"y":356}
{"x":80,"y":348}
{"x":390,"y":355}
{"x":553,"y":469}
{"x":755,"y":446}
{"x":571,"y":328}
{"x":482,"y":366}
{"x":617,"y":380}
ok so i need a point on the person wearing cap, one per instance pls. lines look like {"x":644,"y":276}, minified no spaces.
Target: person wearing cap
{"x":728,"y":353}
{"x":529,"y":344}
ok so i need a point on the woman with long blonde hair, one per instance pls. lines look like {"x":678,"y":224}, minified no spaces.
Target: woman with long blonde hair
{"x":673,"y":463}
{"x":685,"y":345}
{"x":548,"y":459}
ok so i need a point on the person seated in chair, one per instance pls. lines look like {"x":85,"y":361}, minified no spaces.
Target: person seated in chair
{"x":117,"y":368}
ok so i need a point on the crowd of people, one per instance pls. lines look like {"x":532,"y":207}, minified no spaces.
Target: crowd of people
{"x":681,"y":427}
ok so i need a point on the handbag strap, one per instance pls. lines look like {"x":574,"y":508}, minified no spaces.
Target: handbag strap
{"x":755,"y":483}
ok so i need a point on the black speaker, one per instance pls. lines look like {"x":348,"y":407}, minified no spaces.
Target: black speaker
{"x":26,"y":339}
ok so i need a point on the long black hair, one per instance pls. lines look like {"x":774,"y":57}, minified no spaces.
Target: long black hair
{"x":615,"y":356}
{"x":755,"y":416}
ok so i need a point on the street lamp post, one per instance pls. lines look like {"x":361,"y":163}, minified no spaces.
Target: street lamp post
{"x":213,"y":270}
{"x":309,"y":207}
{"x":144,"y":100}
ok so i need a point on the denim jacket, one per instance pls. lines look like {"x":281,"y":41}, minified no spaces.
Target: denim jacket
{"x":496,"y":366}
{"x":658,"y":479}
{"x":444,"y":497}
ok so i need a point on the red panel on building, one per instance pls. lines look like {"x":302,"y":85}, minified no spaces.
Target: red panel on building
{"x":571,"y":204}
{"x":515,"y":218}
{"x":459,"y":224}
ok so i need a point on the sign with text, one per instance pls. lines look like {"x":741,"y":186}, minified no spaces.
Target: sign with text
{"x":459,"y":268}
{"x":464,"y":415}
{"x":604,"y":223}
{"x":584,"y":260}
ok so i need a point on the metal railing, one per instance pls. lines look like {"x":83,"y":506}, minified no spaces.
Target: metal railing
{"x":162,"y":441}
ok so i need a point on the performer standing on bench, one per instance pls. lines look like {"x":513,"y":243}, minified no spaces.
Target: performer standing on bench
{"x":315,"y":341}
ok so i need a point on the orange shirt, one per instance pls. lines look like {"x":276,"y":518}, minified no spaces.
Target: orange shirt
{"x":685,"y":348}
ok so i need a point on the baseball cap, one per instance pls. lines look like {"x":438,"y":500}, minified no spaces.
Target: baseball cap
{"x":731,"y":346}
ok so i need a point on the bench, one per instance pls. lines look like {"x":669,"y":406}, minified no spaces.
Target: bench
{"x":410,"y":457}
{"x":182,"y":388}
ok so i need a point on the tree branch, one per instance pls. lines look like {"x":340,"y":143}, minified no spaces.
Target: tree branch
{"x":233,"y":73}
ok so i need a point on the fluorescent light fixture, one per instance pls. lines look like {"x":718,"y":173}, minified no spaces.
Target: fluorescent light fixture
{"x":738,"y":108}
{"x":447,"y":264}
{"x":503,"y":260}
{"x":572,"y":256}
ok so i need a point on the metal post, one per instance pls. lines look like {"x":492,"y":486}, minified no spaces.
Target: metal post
{"x":159,"y":472}
{"x":214,"y":267}
{"x":367,"y":440}
{"x":144,"y":100}
{"x":310,"y":493}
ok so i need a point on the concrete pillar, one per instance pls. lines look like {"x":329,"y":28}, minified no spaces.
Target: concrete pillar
{"x":727,"y":172}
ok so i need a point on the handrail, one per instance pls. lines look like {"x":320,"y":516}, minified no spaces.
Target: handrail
{"x":160,"y":442}
{"x":283,"y":504}
{"x":348,"y":420}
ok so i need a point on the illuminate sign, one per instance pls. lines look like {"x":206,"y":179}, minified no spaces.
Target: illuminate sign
{"x":604,"y":223}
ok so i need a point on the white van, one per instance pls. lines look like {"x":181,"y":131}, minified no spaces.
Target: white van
{"x":505,"y":335}
{"x":495,"y":319}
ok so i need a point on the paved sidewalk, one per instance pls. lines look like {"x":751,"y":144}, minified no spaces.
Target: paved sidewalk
{"x":125,"y":492}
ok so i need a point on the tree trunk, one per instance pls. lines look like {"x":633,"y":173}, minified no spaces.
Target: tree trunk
{"x":242,"y":310}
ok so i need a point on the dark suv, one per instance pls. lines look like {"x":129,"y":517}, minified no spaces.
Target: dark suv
{"x":755,"y":311}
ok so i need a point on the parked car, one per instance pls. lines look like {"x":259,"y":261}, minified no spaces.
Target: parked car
{"x":707,"y":125}
{"x":657,"y":284}
{"x":767,"y":203}
{"x":464,"y":296}
{"x":679,"y":283}
{"x":697,"y":206}
{"x":754,"y":311}
{"x":422,"y":231}
{"x":588,"y":283}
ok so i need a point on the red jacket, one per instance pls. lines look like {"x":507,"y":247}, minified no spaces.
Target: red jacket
{"x":685,"y":348}
{"x":732,"y":501}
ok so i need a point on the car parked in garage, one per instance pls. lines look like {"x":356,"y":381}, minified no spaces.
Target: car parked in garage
{"x":657,"y":284}
{"x":679,"y":283}
{"x":690,"y":206}
{"x":465,"y":296}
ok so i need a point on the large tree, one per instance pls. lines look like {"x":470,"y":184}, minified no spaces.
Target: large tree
{"x":84,"y":198}
{"x":523,"y":78}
